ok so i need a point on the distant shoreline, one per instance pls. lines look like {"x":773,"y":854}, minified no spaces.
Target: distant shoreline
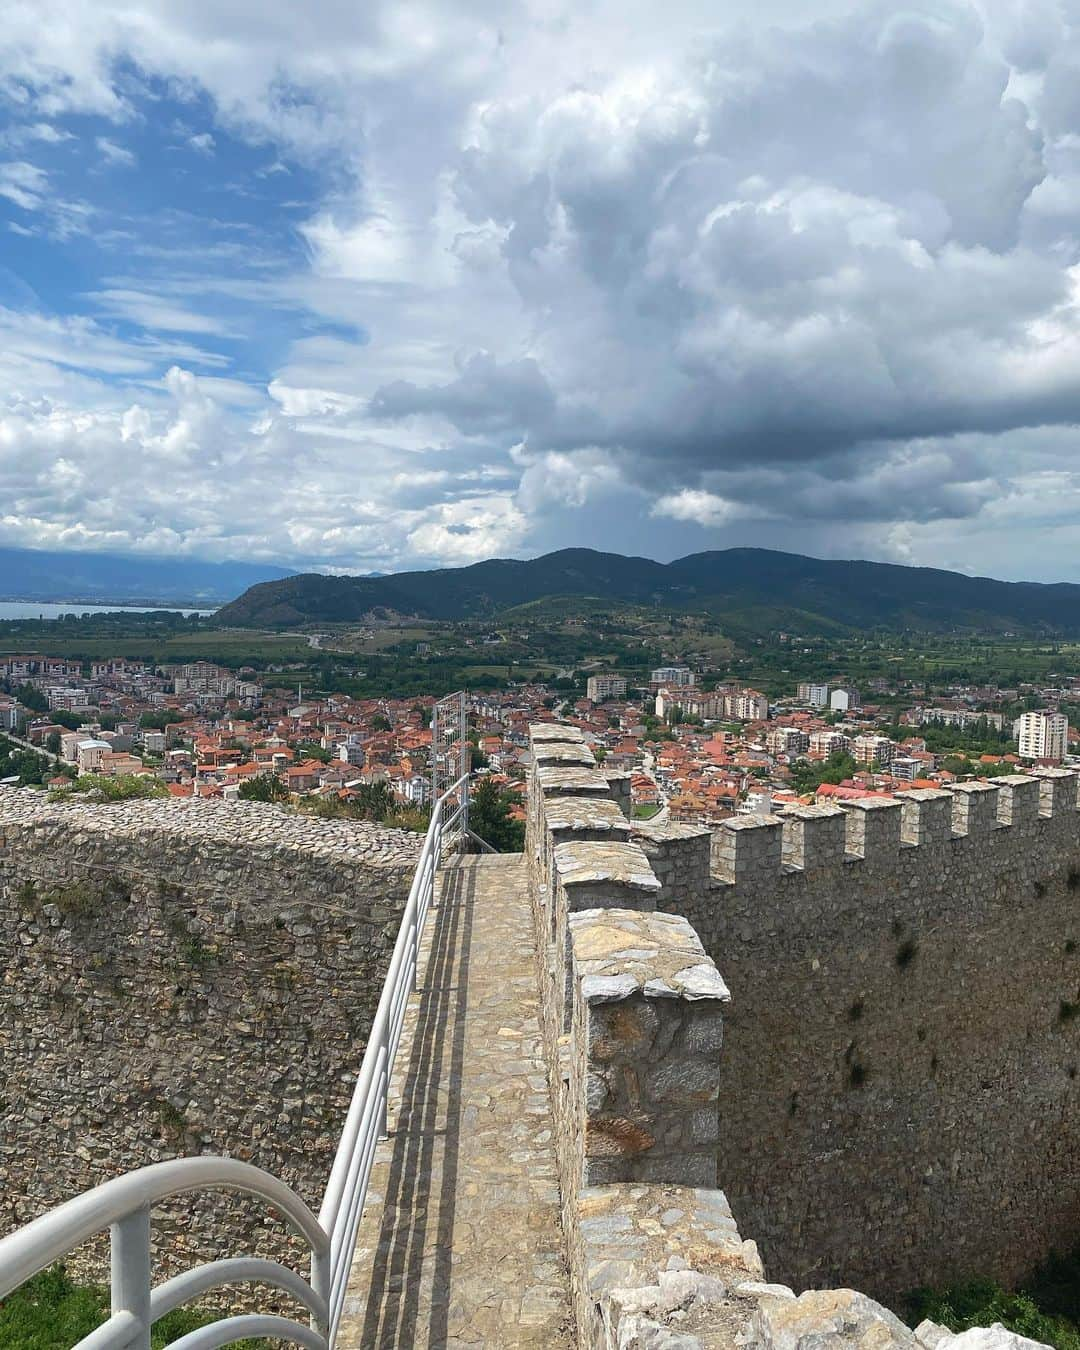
{"x":144,"y":606}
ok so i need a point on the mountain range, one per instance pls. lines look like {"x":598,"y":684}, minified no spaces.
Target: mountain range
{"x":104,"y":578}
{"x":754,"y":589}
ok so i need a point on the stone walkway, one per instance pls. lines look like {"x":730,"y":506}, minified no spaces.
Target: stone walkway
{"x":461,"y":1242}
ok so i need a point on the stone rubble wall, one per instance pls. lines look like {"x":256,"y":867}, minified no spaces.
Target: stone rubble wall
{"x":897,"y":1084}
{"x":641,"y":1101}
{"x":184,"y":977}
{"x":632,"y":1020}
{"x":900,"y":1085}
{"x":680,"y":857}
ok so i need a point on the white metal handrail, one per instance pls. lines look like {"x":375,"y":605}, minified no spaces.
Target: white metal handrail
{"x":343,"y":1202}
{"x":123,"y":1205}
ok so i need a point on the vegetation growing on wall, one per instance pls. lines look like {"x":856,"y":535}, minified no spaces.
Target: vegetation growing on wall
{"x":1046,"y":1308}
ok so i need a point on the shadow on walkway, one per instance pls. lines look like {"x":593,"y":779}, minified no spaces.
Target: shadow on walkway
{"x":431,"y":1108}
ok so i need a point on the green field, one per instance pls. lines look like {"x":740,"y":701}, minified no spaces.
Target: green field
{"x":229,"y":647}
{"x":539,"y":638}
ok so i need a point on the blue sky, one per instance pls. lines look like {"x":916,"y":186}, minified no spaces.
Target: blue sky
{"x":165,"y":224}
{"x":370,"y":287}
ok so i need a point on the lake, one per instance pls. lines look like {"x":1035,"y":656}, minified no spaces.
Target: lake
{"x":31,"y":609}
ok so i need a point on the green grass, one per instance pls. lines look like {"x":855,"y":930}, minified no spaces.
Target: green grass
{"x":645,"y":812}
{"x":50,"y":1312}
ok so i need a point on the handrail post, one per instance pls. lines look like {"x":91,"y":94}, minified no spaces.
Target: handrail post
{"x":320,"y":1284}
{"x":130,"y":1267}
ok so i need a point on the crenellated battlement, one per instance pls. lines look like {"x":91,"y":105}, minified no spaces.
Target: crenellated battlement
{"x":1018,"y":812}
{"x":904,"y":973}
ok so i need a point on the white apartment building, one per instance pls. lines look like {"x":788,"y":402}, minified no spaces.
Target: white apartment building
{"x":827,"y":742}
{"x":90,"y":755}
{"x":351,"y":751}
{"x":747,"y":705}
{"x":599,"y":688}
{"x":705,"y":706}
{"x":787,"y":741}
{"x":872,"y":749}
{"x":1042,"y":735}
{"x":758,"y":803}
{"x":673,"y":677}
{"x":844,"y":699}
{"x":817,"y":695}
{"x":738,"y":705}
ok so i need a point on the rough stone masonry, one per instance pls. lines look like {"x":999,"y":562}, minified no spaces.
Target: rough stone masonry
{"x":897,"y":1097}
{"x":184,"y":977}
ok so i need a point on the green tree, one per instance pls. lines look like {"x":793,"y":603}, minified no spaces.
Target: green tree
{"x":380,"y":723}
{"x":158,"y":721}
{"x":52,"y":742}
{"x":119,"y":788}
{"x":265,"y":788}
{"x":373,"y":801}
{"x":27,"y":765}
{"x":32,"y":698}
{"x":313,"y":750}
{"x":806,"y":776}
{"x":489,"y":817}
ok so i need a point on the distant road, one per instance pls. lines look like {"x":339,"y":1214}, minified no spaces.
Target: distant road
{"x":315,"y":642}
{"x":37,"y":749}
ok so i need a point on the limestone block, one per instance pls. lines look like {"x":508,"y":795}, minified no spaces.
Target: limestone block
{"x":927,"y":816}
{"x":994,"y":1337}
{"x":646,"y":1031}
{"x":974,"y":808}
{"x":544,"y":732}
{"x":565,"y":753}
{"x":595,"y":873}
{"x":564,"y":781}
{"x":813,"y":836}
{"x":873,"y":829}
{"x":1057,"y":791}
{"x":1018,"y":800}
{"x":828,"y":1319}
{"x":747,"y":848}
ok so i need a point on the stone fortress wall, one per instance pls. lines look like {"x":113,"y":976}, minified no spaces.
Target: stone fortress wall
{"x":184,"y":977}
{"x":900,"y":1091}
{"x":895,"y":1100}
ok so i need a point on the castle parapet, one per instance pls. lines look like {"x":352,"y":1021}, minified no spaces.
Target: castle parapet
{"x":557,"y":780}
{"x":1057,"y":792}
{"x":620,"y":785}
{"x":1018,"y":800}
{"x":747,"y":848}
{"x":646,"y":1031}
{"x":974,"y":808}
{"x":541,"y":733}
{"x":593,"y":873}
{"x":873,"y":829}
{"x":813,"y":837}
{"x":564,"y":753}
{"x":926,"y":818}
{"x":680,"y":855}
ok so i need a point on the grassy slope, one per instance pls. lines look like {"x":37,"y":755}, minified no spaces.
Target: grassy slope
{"x":51,"y":1313}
